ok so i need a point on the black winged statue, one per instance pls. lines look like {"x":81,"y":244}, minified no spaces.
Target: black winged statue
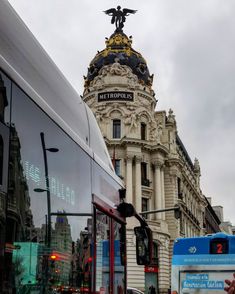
{"x":119,"y":16}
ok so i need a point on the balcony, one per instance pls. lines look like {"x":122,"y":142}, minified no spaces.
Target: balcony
{"x":145,"y":182}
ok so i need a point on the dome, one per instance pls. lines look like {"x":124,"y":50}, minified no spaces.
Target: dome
{"x":118,"y":48}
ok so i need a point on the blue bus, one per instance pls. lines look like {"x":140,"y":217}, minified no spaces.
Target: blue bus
{"x":202,"y":264}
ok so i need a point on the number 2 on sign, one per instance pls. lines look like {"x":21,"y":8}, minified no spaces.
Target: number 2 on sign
{"x":219,"y":248}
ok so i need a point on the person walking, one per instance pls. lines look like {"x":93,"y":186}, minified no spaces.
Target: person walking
{"x":152,"y":290}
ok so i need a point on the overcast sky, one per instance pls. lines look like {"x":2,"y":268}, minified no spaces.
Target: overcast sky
{"x":189,"y":46}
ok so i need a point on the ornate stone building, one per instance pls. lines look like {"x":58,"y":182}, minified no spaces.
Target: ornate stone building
{"x":147,"y":154}
{"x":211,"y":219}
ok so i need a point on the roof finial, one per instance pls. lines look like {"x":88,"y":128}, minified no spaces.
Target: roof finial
{"x":119,"y":16}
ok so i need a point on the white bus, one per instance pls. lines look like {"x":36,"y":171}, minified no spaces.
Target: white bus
{"x":62,"y":215}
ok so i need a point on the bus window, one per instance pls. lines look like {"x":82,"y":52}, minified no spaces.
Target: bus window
{"x":102,"y":252}
{"x":5,"y":88}
{"x":119,"y":257}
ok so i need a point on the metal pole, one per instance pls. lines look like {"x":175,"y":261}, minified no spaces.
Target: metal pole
{"x":47,"y":190}
{"x":48,"y":225}
{"x":176,"y":207}
{"x":71,"y":214}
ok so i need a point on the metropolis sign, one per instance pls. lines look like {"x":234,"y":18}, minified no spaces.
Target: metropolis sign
{"x":117,"y":95}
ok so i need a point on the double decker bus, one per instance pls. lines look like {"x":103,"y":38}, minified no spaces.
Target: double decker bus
{"x":202,"y":264}
{"x":62,"y":209}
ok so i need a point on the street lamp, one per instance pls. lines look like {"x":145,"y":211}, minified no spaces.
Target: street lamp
{"x":44,"y":149}
{"x":47,"y":190}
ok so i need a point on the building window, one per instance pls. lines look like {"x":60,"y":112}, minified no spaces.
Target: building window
{"x":116,"y":128}
{"x":143,"y":131}
{"x":145,"y":206}
{"x":183,"y":226}
{"x":155,"y":253}
{"x":144,"y":180}
{"x":117,"y":166}
{"x":180,"y":194}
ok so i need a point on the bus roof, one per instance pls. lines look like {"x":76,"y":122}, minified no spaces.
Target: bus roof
{"x":24,"y":60}
{"x":201,"y":244}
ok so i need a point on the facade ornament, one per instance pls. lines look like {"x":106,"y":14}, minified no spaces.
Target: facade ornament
{"x":98,"y":117}
{"x":101,"y":107}
{"x":132,"y":81}
{"x":115,"y":69}
{"x":138,"y":159}
{"x":157,"y":163}
{"x":171,"y":116}
{"x":197,"y":169}
{"x":152,"y":132}
{"x":98,"y":83}
{"x":129,"y":157}
{"x":172,"y":143}
{"x":159,"y":132}
{"x":144,"y":101}
{"x":130,"y":107}
{"x":131,"y":120}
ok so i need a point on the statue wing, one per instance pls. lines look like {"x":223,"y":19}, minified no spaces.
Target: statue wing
{"x":126,"y":11}
{"x":111,"y":11}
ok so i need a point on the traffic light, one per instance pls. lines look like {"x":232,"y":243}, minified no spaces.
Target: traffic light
{"x":177,"y":211}
{"x":126,"y":209}
{"x":53,"y":257}
{"x":144,"y":243}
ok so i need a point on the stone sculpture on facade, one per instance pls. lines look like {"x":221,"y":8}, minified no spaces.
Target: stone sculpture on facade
{"x":131,"y":120}
{"x":171,"y":116}
{"x":159,"y":132}
{"x":115,"y":69}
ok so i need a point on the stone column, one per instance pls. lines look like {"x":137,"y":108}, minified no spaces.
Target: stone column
{"x":129,"y":192}
{"x":163,"y":192}
{"x":157,"y":188}
{"x":138,"y":189}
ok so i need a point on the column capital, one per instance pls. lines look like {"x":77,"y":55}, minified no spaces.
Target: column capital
{"x":158,"y":163}
{"x":138,"y":158}
{"x":129,"y":157}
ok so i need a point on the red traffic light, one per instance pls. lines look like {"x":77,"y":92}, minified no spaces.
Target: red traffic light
{"x":54,"y":257}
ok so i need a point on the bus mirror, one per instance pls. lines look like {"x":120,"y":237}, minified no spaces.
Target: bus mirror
{"x":143,"y":245}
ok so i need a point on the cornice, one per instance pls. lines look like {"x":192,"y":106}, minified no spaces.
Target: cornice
{"x":174,"y":161}
{"x":124,"y":142}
